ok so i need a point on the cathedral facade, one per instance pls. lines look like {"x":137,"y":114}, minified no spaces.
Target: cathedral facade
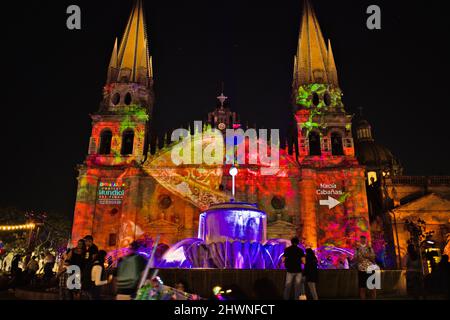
{"x":125,"y":192}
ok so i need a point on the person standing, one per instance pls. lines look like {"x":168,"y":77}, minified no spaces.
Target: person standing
{"x":64,"y":292}
{"x":31,"y":269}
{"x":77,"y":258}
{"x":365,"y":257}
{"x":413,"y":272}
{"x":15,"y":264}
{"x":98,"y":275}
{"x":311,"y":273}
{"x":292,"y":258}
{"x":443,"y":272}
{"x":129,"y":273}
{"x":89,"y":257}
{"x":49,"y":263}
{"x":77,"y":254}
{"x":91,"y":248}
{"x":32,"y":266}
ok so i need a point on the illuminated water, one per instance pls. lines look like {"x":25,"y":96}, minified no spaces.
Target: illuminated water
{"x":233,"y":236}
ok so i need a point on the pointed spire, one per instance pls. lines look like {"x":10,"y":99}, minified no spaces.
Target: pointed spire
{"x":331,"y":67}
{"x":112,"y":63}
{"x":157,"y":144}
{"x":295,"y":71}
{"x":166,"y":140}
{"x":312,"y":60}
{"x":133,"y":58}
{"x":150,"y":68}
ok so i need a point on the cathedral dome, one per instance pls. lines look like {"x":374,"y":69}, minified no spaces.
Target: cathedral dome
{"x":372,"y":154}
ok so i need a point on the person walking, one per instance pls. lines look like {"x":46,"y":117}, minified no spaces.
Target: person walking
{"x":365,"y":258}
{"x":311,"y":273}
{"x":292,"y":259}
{"x":129,"y":273}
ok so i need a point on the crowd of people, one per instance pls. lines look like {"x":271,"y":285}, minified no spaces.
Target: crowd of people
{"x":95,"y":274}
{"x":25,"y":268}
{"x":83,"y":273}
{"x":301,"y":267}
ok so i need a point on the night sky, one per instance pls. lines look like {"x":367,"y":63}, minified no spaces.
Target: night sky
{"x":54,"y":77}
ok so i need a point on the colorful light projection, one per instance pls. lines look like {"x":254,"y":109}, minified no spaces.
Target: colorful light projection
{"x":232,"y":235}
{"x":132,"y":117}
{"x":232,"y":222}
{"x":111,"y":192}
{"x":197,"y":184}
{"x":228,"y":244}
{"x":194,"y":253}
{"x":200,"y":184}
{"x":342,"y":225}
{"x":317,"y":98}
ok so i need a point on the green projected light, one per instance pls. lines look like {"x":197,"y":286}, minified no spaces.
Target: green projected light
{"x":317,"y":98}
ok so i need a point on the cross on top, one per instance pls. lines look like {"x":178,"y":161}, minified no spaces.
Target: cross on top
{"x":222,"y":99}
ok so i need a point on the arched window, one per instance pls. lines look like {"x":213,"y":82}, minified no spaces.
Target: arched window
{"x":314,"y":144}
{"x":128,"y":99}
{"x":327,"y":99}
{"x":336,"y":144}
{"x":105,"y":142}
{"x":127,"y":142}
{"x":115,"y":98}
{"x":316,"y":99}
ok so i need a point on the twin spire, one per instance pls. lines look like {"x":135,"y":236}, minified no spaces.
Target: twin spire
{"x":314,"y":62}
{"x":132,"y":62}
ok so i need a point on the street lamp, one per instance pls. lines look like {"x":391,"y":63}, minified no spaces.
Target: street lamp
{"x":233,"y":174}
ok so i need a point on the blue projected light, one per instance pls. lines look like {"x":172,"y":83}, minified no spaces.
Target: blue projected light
{"x":232,"y":222}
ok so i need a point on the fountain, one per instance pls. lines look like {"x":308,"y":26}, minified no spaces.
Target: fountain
{"x":232,"y":235}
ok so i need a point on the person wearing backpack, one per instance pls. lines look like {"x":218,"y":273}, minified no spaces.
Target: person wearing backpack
{"x":129,"y":273}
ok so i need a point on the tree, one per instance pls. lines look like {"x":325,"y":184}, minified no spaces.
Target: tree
{"x":53,"y":229}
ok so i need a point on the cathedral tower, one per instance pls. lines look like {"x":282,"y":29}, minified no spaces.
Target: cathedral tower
{"x":324,"y":129}
{"x":118,"y":142}
{"x":119,"y":128}
{"x":332,"y":182}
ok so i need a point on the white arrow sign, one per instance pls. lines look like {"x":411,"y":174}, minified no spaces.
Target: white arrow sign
{"x":330,"y":202}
